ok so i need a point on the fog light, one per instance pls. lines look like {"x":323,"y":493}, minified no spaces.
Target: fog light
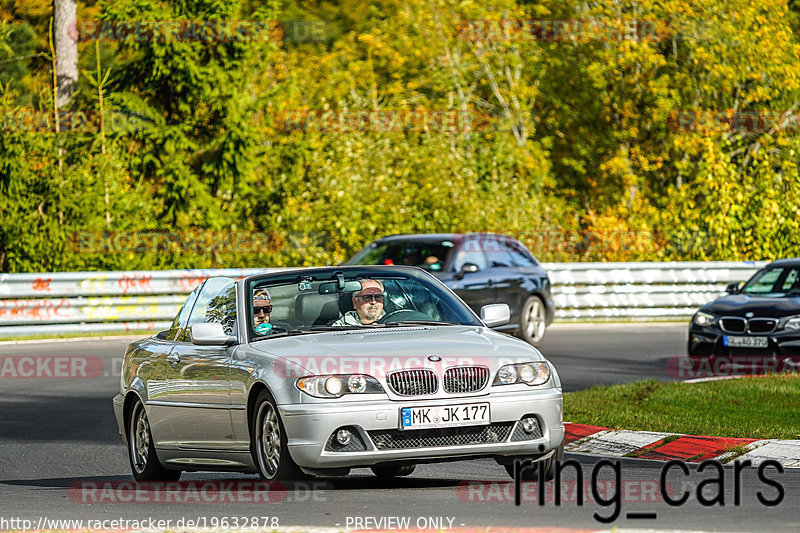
{"x":343,"y":437}
{"x":529,"y":425}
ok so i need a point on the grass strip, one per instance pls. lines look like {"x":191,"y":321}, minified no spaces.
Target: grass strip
{"x":757,"y":408}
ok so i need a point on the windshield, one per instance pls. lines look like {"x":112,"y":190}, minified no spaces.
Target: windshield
{"x":430,"y":256}
{"x":774,"y":282}
{"x":330,"y":301}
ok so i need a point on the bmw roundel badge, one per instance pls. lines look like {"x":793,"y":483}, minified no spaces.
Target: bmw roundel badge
{"x":434,"y":358}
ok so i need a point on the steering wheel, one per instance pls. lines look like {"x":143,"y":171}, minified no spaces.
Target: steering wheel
{"x":403,"y":314}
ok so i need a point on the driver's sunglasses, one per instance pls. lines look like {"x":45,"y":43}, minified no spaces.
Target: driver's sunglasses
{"x":266,"y":308}
{"x":371,"y":298}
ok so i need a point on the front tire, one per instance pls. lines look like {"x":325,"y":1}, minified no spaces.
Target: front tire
{"x":270,"y":450}
{"x":142,"y":451}
{"x":532,"y":320}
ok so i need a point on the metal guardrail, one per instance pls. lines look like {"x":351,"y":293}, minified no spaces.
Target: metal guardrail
{"x":90,"y":302}
{"x":95,"y":302}
{"x":641,"y":291}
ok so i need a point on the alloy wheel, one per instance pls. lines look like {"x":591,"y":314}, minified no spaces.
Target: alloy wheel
{"x":534,"y":320}
{"x":269,"y":439}
{"x":140,"y":441}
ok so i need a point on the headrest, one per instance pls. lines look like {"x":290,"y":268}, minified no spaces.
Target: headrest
{"x":314,"y":309}
{"x":346,"y":303}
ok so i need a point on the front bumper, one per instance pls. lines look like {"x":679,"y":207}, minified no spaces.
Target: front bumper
{"x":119,"y":403}
{"x":309,"y":427}
{"x":708,"y":341}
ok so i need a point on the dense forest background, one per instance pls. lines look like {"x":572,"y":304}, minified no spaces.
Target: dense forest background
{"x":676,"y":141}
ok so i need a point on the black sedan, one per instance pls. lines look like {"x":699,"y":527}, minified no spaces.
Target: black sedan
{"x":482,"y":268}
{"x":759,"y":317}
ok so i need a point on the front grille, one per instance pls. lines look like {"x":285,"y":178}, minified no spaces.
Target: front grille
{"x":396,"y":439}
{"x":413,"y":382}
{"x":761,"y":325}
{"x":465,"y":378}
{"x":733,"y":324}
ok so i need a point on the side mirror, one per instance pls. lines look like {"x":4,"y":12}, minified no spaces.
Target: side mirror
{"x":734,"y":288}
{"x":467,"y":268}
{"x":210,"y":334}
{"x":495,"y":315}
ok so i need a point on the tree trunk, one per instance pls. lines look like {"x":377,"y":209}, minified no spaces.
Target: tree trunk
{"x":64,"y":18}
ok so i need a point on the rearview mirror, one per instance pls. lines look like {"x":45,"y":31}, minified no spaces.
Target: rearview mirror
{"x":495,"y":315}
{"x":210,"y":334}
{"x":331,"y":287}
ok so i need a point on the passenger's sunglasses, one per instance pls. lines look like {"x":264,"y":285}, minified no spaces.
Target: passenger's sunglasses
{"x":266,"y":308}
{"x":371,"y":298}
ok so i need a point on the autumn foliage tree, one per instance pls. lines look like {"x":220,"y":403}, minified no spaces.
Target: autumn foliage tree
{"x":600,"y":130}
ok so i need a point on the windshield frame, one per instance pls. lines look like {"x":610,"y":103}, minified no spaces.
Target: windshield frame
{"x":352,"y":273}
{"x":785,"y":270}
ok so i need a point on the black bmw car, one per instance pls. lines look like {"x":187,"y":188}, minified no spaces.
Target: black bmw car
{"x":482,"y":268}
{"x":758,"y":317}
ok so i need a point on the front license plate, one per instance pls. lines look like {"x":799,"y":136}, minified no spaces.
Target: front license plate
{"x":745,"y":342}
{"x":444,"y":416}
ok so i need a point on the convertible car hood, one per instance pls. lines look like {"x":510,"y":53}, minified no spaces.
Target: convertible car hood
{"x":739,"y":304}
{"x":417,"y":341}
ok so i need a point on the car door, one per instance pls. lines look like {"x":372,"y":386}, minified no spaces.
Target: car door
{"x":507,"y":278}
{"x":198,"y":376}
{"x":153,"y":367}
{"x":150,"y":361}
{"x":475,"y":288}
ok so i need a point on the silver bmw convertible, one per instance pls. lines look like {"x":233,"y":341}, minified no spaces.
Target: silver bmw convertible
{"x":317,"y":371}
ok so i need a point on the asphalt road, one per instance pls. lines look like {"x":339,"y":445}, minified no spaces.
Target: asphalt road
{"x":61,"y":459}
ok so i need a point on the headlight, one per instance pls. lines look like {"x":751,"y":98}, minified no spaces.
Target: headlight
{"x":333,"y":386}
{"x":536,"y":373}
{"x":703,"y":319}
{"x":339,"y":385}
{"x":507,"y":375}
{"x":356,"y":384}
{"x":792,"y":323}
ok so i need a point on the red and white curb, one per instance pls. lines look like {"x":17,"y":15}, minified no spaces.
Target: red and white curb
{"x":581,"y":438}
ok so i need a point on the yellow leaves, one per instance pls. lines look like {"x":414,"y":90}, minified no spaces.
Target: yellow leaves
{"x":33,"y":8}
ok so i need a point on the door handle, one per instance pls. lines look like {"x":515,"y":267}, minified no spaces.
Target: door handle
{"x":174,"y":359}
